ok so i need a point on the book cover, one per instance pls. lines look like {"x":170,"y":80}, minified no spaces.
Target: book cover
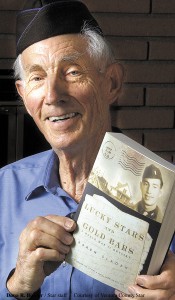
{"x":126,"y":215}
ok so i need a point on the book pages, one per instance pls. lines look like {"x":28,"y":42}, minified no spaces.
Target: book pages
{"x":107,"y":237}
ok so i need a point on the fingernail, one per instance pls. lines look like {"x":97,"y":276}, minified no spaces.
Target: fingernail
{"x":118,"y":294}
{"x":140,"y":281}
{"x":68,"y":239}
{"x":69,"y":223}
{"x":131,"y":290}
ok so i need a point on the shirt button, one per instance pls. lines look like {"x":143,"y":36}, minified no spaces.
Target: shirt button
{"x":64,"y":264}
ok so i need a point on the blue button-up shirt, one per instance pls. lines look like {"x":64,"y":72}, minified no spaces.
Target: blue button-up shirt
{"x":30,"y":188}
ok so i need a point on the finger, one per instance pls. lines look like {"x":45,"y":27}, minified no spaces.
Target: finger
{"x":38,"y":239}
{"x":43,"y":255}
{"x":42,"y":224}
{"x":121,"y":295}
{"x":166,"y":279}
{"x":128,"y":295}
{"x":149,"y":281}
{"x":147,"y":294}
{"x":65,"y":222}
{"x":36,"y":259}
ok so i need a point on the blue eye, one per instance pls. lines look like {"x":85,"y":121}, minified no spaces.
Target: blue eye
{"x":74,"y":73}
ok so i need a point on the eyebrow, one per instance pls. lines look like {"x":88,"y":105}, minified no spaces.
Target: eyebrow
{"x":29,"y":69}
{"x":72,"y":57}
{"x":154,"y":184}
{"x":67,"y":58}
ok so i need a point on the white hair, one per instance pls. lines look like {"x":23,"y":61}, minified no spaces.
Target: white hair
{"x":98,"y":49}
{"x":18,"y":68}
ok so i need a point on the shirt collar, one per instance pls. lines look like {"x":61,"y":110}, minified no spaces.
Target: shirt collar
{"x":151,"y":214}
{"x":47,"y":177}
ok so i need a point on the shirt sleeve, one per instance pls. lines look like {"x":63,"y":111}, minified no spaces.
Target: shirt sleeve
{"x":5,"y":292}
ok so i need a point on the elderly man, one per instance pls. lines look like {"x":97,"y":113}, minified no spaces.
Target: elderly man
{"x":67,"y":78}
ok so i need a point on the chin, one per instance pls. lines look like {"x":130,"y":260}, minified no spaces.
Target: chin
{"x":65,"y":142}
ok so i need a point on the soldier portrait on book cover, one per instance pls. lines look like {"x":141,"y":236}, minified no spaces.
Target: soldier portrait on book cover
{"x":151,"y":189}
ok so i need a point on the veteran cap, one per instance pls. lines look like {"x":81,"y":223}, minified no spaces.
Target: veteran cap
{"x":152,"y":172}
{"x":41,"y":19}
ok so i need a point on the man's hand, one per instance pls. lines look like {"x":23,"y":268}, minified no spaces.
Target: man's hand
{"x":44,"y":244}
{"x":159,"y":287}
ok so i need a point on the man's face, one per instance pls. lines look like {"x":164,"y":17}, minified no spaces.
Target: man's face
{"x":151,"y":191}
{"x":64,"y":92}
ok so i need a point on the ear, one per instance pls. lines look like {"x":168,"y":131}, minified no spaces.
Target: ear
{"x":21,"y":91}
{"x":115,"y":78}
{"x":20,"y":87}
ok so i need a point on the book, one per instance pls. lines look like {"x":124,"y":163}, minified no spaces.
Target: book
{"x":126,"y":216}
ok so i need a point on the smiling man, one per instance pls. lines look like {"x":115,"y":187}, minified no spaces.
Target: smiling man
{"x":63,"y":90}
{"x":68,"y":78}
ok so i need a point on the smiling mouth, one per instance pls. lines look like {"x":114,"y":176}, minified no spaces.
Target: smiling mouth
{"x":63,"y":117}
{"x":148,"y":197}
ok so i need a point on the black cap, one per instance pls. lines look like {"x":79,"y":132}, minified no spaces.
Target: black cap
{"x":47,"y":18}
{"x":152,"y":172}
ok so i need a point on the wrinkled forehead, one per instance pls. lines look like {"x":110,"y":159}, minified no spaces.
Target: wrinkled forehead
{"x":57,"y":52}
{"x":66,"y":47}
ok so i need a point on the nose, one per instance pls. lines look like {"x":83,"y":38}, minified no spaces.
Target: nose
{"x":53,"y":91}
{"x":148,"y":189}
